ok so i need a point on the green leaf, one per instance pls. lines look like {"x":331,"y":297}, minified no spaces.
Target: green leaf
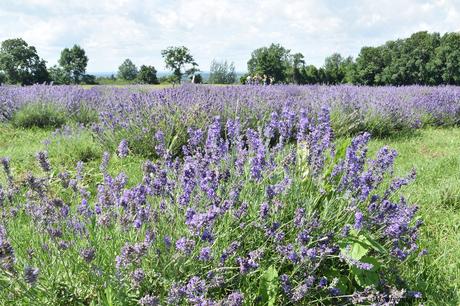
{"x":373,"y":243}
{"x":356,"y":250}
{"x":370,"y":277}
{"x":268,"y":287}
{"x":365,"y":278}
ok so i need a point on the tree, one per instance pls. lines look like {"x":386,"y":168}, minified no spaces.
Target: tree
{"x":274,"y":61}
{"x":334,"y":68}
{"x":74,"y":62}
{"x":177,"y":59}
{"x":197,"y":79}
{"x":222,"y":73}
{"x":370,"y":63}
{"x":147,"y":75}
{"x":310,"y":74}
{"x":447,"y":59}
{"x":410,"y":60}
{"x":298,"y":63}
{"x":59,"y":76}
{"x":20,"y":63}
{"x":127,"y":70}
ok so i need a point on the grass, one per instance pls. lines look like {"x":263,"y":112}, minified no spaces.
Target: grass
{"x":435,"y":153}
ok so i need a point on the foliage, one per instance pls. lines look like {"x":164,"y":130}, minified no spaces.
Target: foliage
{"x":20,"y":63}
{"x":74,"y":62}
{"x":336,"y":68}
{"x":127,"y":70}
{"x":196,"y":79}
{"x":177,"y":59}
{"x":147,"y":75}
{"x":59,"y":76}
{"x":273,"y":61}
{"x":42,"y":115}
{"x":222,"y":73}
{"x":423,"y":58}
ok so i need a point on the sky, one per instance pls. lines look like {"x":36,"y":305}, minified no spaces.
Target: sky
{"x":113,"y":30}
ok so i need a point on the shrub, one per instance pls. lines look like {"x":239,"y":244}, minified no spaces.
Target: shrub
{"x":73,"y":144}
{"x":85,"y":115}
{"x":42,"y":115}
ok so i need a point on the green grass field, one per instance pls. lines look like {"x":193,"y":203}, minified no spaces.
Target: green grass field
{"x":434,"y":153}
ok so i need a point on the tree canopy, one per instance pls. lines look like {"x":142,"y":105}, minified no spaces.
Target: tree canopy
{"x":177,"y":59}
{"x":74,"y":62}
{"x":147,"y":75}
{"x":127,"y":70}
{"x":222,"y":73}
{"x":20,"y":63}
{"x":273,"y":61}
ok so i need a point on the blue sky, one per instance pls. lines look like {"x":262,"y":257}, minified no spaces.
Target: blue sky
{"x":112,"y":30}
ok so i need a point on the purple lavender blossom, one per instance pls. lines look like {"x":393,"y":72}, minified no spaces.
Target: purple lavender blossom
{"x":31,"y":274}
{"x":205,"y":254}
{"x":43,"y":160}
{"x":185,"y":245}
{"x":122,"y":149}
{"x":149,"y":300}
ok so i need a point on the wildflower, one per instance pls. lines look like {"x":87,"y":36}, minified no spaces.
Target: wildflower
{"x":88,"y":254}
{"x":185,"y":245}
{"x":149,"y":300}
{"x":205,"y":254}
{"x":122,"y":149}
{"x":42,"y":158}
{"x":137,"y":276}
{"x":31,"y":275}
{"x":234,"y":299}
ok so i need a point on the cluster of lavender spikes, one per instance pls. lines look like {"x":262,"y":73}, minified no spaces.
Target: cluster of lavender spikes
{"x":206,"y":228}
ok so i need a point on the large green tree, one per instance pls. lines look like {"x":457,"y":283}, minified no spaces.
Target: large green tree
{"x":338,"y":69}
{"x":147,"y":75}
{"x":310,"y":74}
{"x":178,"y":59}
{"x":298,"y":63}
{"x":273,"y":61}
{"x":411,"y":60}
{"x":74,"y":62}
{"x":370,"y":63}
{"x":59,"y":76}
{"x":447,"y":59}
{"x":20,"y":63}
{"x":127,"y":70}
{"x":222,"y":73}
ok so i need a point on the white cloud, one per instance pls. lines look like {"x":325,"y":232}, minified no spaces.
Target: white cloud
{"x":112,"y":30}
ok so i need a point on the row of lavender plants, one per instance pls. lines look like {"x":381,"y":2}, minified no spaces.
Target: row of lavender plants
{"x":279,"y":214}
{"x":137,"y":113}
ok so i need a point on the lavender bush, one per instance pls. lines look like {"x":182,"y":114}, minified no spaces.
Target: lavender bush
{"x":272,"y":213}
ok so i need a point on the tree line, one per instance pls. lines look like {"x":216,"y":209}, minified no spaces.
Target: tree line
{"x":423,"y":58}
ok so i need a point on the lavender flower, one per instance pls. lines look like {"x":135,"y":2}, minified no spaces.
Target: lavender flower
{"x":205,"y":254}
{"x":31,"y":275}
{"x":122,"y":149}
{"x":185,"y":245}
{"x":88,"y":254}
{"x":42,"y":158}
{"x":149,"y":300}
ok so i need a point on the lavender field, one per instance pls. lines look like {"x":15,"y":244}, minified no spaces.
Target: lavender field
{"x":235,"y":195}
